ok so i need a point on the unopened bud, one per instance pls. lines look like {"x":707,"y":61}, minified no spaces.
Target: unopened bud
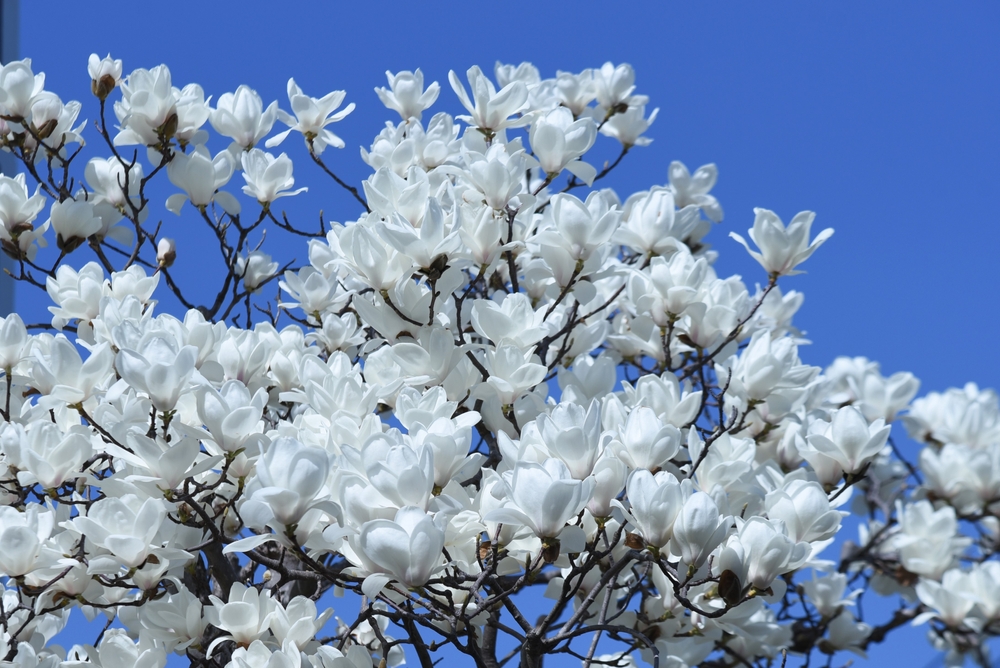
{"x":104,"y":75}
{"x":166,"y":252}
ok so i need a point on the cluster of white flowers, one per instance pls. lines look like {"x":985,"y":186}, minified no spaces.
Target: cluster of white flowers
{"x":438,"y":427}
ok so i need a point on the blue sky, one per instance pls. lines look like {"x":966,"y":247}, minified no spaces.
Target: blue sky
{"x":884,"y":118}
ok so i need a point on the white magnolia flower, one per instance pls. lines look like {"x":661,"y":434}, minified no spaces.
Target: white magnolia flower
{"x":652,"y":225}
{"x":804,"y":508}
{"x":18,"y":210}
{"x":13,"y":341}
{"x":826,"y":593}
{"x":558,"y":141}
{"x":114,"y":182}
{"x":291,"y":477}
{"x":73,"y":221}
{"x":692,"y":189}
{"x":512,"y":372}
{"x":52,"y":122}
{"x":655,"y":502}
{"x":267,"y":177}
{"x":51,"y":457}
{"x":166,"y":252}
{"x":543,"y":497}
{"x":628,"y":126}
{"x":513,"y":319}
{"x":200,"y":176}
{"x":23,"y":535}
{"x":698,"y":529}
{"x":406,"y":549}
{"x":849,"y":440}
{"x":759,"y":552}
{"x":160,"y":368}
{"x":498,"y":175}
{"x":230,"y":413}
{"x":576,"y":91}
{"x":490,"y":110}
{"x":645,"y":442}
{"x":254,"y":269}
{"x":312,"y":115}
{"x":18,"y":87}
{"x":63,"y":376}
{"x":177,"y":620}
{"x":244,"y":617}
{"x":669,"y":287}
{"x":406,"y":95}
{"x":845,"y":632}
{"x":124,"y":526}
{"x":153,"y":111}
{"x":609,"y":474}
{"x":241,"y":117}
{"x":782,"y":249}
{"x":117,"y":650}
{"x":614,"y":85}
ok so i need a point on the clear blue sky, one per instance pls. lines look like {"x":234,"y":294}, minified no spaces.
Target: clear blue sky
{"x":884,"y":118}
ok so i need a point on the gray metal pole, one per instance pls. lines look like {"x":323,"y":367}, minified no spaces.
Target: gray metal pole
{"x":9,"y":49}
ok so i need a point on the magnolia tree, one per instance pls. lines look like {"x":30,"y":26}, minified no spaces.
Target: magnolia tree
{"x":504,"y":414}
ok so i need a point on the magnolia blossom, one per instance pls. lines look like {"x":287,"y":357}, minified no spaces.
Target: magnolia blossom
{"x":20,"y":86}
{"x":698,"y":529}
{"x":254,"y":269}
{"x":627,"y":127}
{"x":558,"y":142}
{"x":613,"y":85}
{"x":291,"y":477}
{"x":849,"y":440}
{"x":245,"y":616}
{"x":73,"y":222}
{"x":124,"y":526}
{"x":406,"y":94}
{"x":200,"y":176}
{"x":693,"y":189}
{"x":490,"y":110}
{"x":655,"y":502}
{"x":543,"y":497}
{"x":241,"y":117}
{"x":651,"y":223}
{"x":13,"y":340}
{"x":160,"y":368}
{"x":153,"y":111}
{"x":782,"y":249}
{"x":408,"y":548}
{"x":759,"y":552}
{"x":311,"y":117}
{"x":267,"y":177}
{"x":645,"y":442}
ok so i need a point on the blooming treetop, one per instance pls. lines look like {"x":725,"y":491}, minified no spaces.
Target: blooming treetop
{"x":499,"y":377}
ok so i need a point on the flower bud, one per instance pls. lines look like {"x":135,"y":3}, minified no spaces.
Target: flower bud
{"x":166,"y":252}
{"x":104,"y":74}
